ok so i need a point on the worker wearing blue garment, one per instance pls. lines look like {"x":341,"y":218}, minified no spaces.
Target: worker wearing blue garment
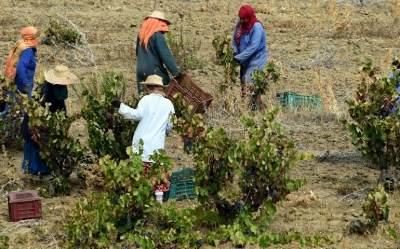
{"x":249,"y":45}
{"x":21,"y":63}
{"x":395,"y":64}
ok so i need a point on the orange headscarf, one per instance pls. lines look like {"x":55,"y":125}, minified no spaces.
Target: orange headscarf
{"x":28,"y":40}
{"x":149,"y":27}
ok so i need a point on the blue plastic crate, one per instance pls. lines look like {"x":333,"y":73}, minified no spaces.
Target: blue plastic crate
{"x":182,"y":185}
{"x":294,"y":101}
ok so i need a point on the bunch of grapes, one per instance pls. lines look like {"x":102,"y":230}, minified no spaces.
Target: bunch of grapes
{"x":187,"y":145}
{"x":199,"y":243}
{"x":162,"y":225}
{"x":118,"y":193}
{"x":385,"y":113}
{"x":251,"y":171}
{"x":219,"y":162}
{"x":281,"y":152}
{"x":238,"y":206}
{"x":126,"y":220}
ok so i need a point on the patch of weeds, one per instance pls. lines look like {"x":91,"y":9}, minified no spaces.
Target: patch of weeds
{"x":22,"y":240}
{"x":375,"y":207}
{"x":4,"y":241}
{"x":347,"y":185}
{"x":184,"y":52}
{"x":62,"y":185}
{"x":61,"y":33}
{"x":43,"y":192}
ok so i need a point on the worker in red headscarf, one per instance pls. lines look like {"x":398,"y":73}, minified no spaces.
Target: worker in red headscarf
{"x":250,"y":46}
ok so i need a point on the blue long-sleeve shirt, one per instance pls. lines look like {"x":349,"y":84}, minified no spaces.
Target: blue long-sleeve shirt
{"x":251,"y":44}
{"x":25,"y":73}
{"x":26,"y":69}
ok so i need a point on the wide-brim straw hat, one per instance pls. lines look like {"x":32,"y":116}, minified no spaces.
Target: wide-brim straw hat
{"x":60,"y":75}
{"x":153,"y":80}
{"x":159,"y":15}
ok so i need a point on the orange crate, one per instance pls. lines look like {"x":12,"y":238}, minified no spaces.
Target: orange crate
{"x":191,"y":93}
{"x":24,"y":205}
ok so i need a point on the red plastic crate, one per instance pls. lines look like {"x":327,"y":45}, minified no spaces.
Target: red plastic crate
{"x":24,"y":205}
{"x":191,"y":93}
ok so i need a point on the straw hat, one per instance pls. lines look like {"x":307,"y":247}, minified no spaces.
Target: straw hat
{"x":153,"y":80}
{"x":60,"y":75}
{"x":159,"y":15}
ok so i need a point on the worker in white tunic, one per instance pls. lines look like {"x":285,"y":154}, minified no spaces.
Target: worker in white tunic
{"x":153,"y":113}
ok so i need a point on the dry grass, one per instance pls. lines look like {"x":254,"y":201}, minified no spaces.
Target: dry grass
{"x":263,"y":8}
{"x":329,"y":101}
{"x":9,"y":171}
{"x":301,"y":198}
{"x":395,"y":9}
{"x":94,"y":177}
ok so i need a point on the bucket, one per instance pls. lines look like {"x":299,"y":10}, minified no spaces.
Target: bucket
{"x":159,"y":196}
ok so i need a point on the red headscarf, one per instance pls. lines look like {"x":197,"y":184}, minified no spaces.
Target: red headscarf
{"x":245,"y":12}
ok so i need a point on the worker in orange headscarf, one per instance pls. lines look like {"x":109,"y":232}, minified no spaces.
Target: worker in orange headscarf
{"x":152,"y":51}
{"x":21,"y":61}
{"x":21,"y":65}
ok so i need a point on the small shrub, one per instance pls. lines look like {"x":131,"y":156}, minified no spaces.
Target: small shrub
{"x":374,"y":130}
{"x":224,"y":53}
{"x":62,"y":185}
{"x":109,"y":134}
{"x":4,"y":239}
{"x":262,"y":78}
{"x":184,"y":52}
{"x":10,"y":121}
{"x":61,"y":33}
{"x":375,"y":206}
{"x":259,"y":165}
{"x":59,"y":150}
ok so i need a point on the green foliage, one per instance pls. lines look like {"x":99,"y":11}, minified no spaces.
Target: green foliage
{"x":265,"y":160}
{"x":260,"y":165}
{"x":167,"y":225}
{"x":94,"y":221}
{"x":375,"y":206}
{"x":10,"y":122}
{"x":103,"y":218}
{"x":257,"y":167}
{"x":91,"y":223}
{"x":181,"y":109}
{"x":263,"y":239}
{"x":392,"y":233}
{"x":62,"y":185}
{"x":109,"y":134}
{"x":60,"y":151}
{"x":374,"y":132}
{"x":184,"y":52}
{"x":61,"y":33}
{"x":4,"y":241}
{"x":263,"y":78}
{"x":224,"y":53}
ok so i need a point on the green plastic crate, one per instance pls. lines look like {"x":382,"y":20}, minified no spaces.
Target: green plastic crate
{"x":294,"y":101}
{"x":182,"y":185}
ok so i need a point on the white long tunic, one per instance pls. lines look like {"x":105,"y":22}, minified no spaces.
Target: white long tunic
{"x":153,"y":112}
